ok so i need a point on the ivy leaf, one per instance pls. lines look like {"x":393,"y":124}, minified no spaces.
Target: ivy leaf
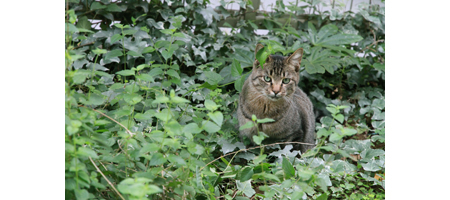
{"x":113,"y":53}
{"x":216,"y":117}
{"x":126,"y":72}
{"x":236,"y":69}
{"x":211,"y":105}
{"x":212,"y":78}
{"x":164,"y":115}
{"x":239,"y":83}
{"x":245,"y":174}
{"x":288,"y":169}
{"x":245,"y":187}
{"x":157,"y":159}
{"x":247,"y":125}
{"x":319,"y":61}
{"x":210,"y":127}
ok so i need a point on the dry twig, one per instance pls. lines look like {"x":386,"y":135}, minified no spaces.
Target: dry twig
{"x":99,"y":171}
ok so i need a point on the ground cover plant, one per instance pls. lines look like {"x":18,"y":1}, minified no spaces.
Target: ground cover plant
{"x":151,"y":95}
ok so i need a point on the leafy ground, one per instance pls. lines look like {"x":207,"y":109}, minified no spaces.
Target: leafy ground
{"x":150,"y":102}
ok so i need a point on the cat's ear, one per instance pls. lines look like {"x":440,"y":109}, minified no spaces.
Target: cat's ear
{"x":258,"y":47}
{"x":295,"y":59}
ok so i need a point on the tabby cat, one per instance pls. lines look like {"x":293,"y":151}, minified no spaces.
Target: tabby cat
{"x":272,"y":92}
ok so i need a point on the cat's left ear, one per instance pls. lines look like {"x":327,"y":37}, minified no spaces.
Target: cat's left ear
{"x":295,"y":59}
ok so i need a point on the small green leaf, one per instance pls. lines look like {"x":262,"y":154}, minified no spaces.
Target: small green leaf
{"x":116,"y":38}
{"x":113,"y":53}
{"x":126,"y":72}
{"x":211,"y":105}
{"x":236,"y":69}
{"x":245,"y":174}
{"x":262,"y":55}
{"x":288,"y":169}
{"x":265,"y":120}
{"x":98,"y":51}
{"x":216,"y":117}
{"x":157,"y":159}
{"x":210,"y":127}
{"x":246,"y":125}
{"x":254,"y":118}
{"x":173,"y":73}
{"x":164,"y":115}
{"x":212,"y":78}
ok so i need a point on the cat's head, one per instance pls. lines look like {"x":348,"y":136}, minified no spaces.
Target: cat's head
{"x":279,"y":75}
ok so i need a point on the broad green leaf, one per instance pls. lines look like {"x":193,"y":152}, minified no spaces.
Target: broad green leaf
{"x":210,"y":127}
{"x":245,"y":187}
{"x":212,"y":78}
{"x":86,"y":152}
{"x":323,"y":180}
{"x":245,"y":174}
{"x":173,"y":73}
{"x":260,"y":158}
{"x":99,"y":51}
{"x":164,"y":115}
{"x":161,"y":43}
{"x":262,"y":55}
{"x":211,"y":105}
{"x":173,"y":128}
{"x":259,"y":138}
{"x":116,"y":38}
{"x":340,"y":39}
{"x":168,"y":31}
{"x":239,"y":83}
{"x":177,"y":160}
{"x":216,"y":117}
{"x":81,"y":194}
{"x":288,"y":169}
{"x":145,"y":77}
{"x":133,"y":53}
{"x":113,"y":53}
{"x":113,"y":8}
{"x":155,"y":72}
{"x":319,"y":61}
{"x":95,"y":99}
{"x":179,"y":100}
{"x":157,"y":159}
{"x":191,"y":128}
{"x":236,"y":69}
{"x":126,"y":72}
{"x":247,"y":125}
{"x":97,"y":5}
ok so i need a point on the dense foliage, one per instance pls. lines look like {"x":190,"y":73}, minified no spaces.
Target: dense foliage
{"x":150,"y":102}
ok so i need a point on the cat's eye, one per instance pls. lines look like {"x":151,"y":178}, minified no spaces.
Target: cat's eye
{"x":286,"y":80}
{"x":267,"y":79}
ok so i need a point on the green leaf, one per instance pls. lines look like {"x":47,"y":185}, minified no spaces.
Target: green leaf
{"x":259,"y":138}
{"x":246,"y":125}
{"x":210,"y":127}
{"x":96,"y":6}
{"x":340,"y":39}
{"x":238,"y":84}
{"x":116,"y":38}
{"x":216,"y":117}
{"x":133,"y":53}
{"x":98,"y":51}
{"x":177,"y":160}
{"x":161,"y":99}
{"x":191,"y":128}
{"x":173,"y":73}
{"x":157,"y":159}
{"x":81,"y":194}
{"x":168,"y":31}
{"x":288,"y":169}
{"x":211,"y":105}
{"x":113,"y":53}
{"x":245,"y":187}
{"x":262,"y":55}
{"x":236,"y":69}
{"x":265,"y":120}
{"x":126,"y":72}
{"x":319,"y":61}
{"x":212,"y":78}
{"x":113,"y":8}
{"x":155,"y":72}
{"x":245,"y":174}
{"x":87,"y":152}
{"x":164,"y":115}
{"x":179,"y":100}
{"x":161,"y":43}
{"x":323,"y":180}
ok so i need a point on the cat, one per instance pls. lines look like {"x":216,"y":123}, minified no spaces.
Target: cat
{"x":273,"y":92}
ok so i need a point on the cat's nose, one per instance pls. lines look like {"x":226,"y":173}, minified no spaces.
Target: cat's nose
{"x":276,"y":89}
